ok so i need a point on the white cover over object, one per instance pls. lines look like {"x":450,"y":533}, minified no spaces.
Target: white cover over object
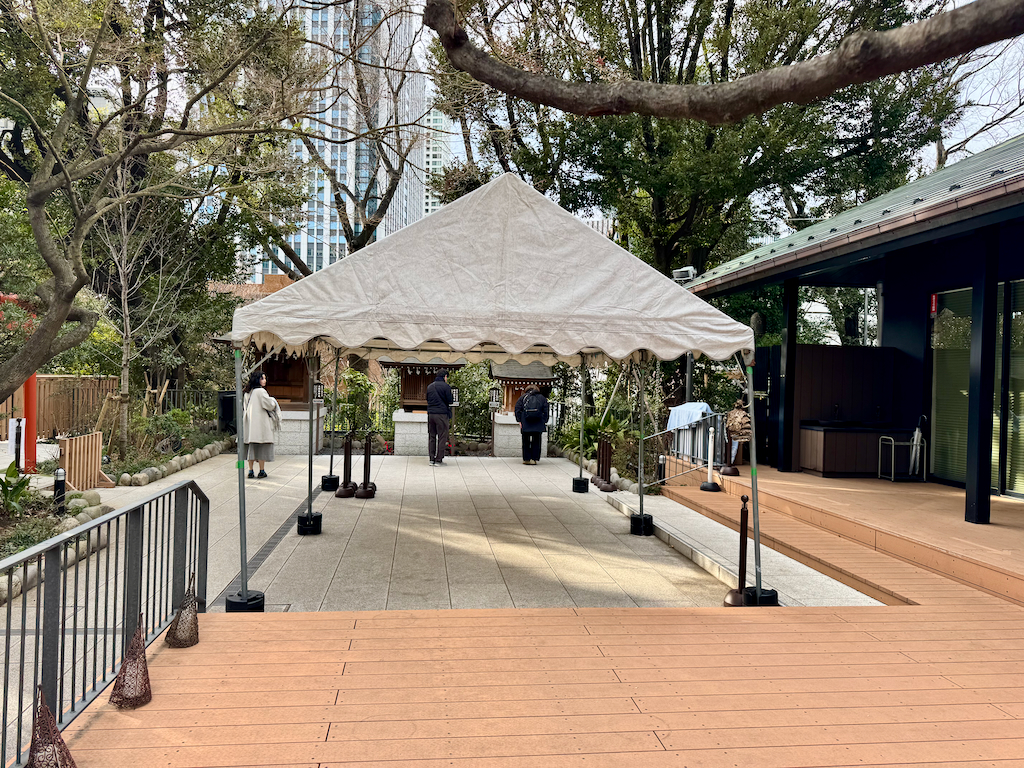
{"x":502,"y":273}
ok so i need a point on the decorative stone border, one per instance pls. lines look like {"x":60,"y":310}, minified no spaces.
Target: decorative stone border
{"x":177,"y":463}
{"x":622,"y":483}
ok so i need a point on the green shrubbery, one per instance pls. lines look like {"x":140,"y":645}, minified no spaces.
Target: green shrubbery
{"x":13,"y":490}
{"x":152,"y":440}
{"x":26,"y":516}
{"x":473,"y":416}
{"x":27,"y":533}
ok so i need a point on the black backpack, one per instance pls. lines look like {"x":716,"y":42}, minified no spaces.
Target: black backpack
{"x":533,"y":408}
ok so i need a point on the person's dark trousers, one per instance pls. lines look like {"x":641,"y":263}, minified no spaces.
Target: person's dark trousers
{"x":531,"y":446}
{"x":437,"y":435}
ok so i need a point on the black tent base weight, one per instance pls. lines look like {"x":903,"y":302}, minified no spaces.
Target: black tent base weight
{"x":310,"y":526}
{"x":768,"y":597}
{"x":235,"y":604}
{"x":641,"y":525}
{"x":329,"y":483}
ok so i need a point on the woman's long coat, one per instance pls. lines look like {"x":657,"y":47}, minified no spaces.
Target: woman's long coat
{"x":257,"y":422}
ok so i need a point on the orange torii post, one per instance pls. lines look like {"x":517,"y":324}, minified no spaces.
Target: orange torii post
{"x":31,"y":408}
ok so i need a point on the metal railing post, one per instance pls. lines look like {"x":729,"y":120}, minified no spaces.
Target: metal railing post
{"x":52,"y":634}
{"x":204,"y":547}
{"x":132,"y":574}
{"x":178,"y":575}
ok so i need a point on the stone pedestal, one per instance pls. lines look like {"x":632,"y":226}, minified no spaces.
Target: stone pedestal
{"x":293,"y":439}
{"x":410,"y":433}
{"x":508,"y":440}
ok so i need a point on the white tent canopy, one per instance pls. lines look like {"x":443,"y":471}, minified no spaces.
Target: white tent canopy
{"x":502,"y":273}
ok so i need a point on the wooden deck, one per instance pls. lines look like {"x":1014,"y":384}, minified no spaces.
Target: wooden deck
{"x":934,"y":679}
{"x":767,"y":687}
{"x":898,"y":542}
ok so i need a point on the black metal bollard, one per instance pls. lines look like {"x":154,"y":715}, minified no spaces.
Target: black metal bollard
{"x":59,"y":489}
{"x":366,"y":489}
{"x":603,"y":478}
{"x":347,"y":489}
{"x":329,"y":482}
{"x":735,"y":596}
{"x":17,"y":444}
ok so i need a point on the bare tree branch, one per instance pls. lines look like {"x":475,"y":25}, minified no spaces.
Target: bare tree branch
{"x":861,"y":57}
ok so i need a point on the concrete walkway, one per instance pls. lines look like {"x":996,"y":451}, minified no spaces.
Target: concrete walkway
{"x":475,"y":533}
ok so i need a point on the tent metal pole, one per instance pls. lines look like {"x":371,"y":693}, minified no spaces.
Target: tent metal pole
{"x":610,"y":399}
{"x":240,"y":437}
{"x":334,"y":408}
{"x":583,"y":407}
{"x":640,"y":459}
{"x":753,"y":482}
{"x":309,"y":491}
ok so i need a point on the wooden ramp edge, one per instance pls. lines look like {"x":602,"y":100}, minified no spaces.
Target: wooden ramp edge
{"x":832,"y":546}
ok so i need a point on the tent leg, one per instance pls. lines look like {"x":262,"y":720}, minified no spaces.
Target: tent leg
{"x":641,"y":524}
{"x":329,"y":482}
{"x":762,"y":596}
{"x":310,"y":524}
{"x":245,"y":600}
{"x":579,"y":485}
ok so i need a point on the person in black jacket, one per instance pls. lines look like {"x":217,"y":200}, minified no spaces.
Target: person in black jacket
{"x":439,"y":413}
{"x":532,"y":415}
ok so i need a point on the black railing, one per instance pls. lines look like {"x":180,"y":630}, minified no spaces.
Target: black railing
{"x":73,"y":603}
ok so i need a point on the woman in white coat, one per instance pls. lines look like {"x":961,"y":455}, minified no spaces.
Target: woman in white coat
{"x":261,"y":418}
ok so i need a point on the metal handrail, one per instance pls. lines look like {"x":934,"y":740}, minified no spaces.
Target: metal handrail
{"x":74,"y":601}
{"x":697,"y":443}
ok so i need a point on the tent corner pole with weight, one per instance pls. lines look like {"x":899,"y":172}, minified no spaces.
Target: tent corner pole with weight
{"x":310,"y":367}
{"x":640,"y":458}
{"x":240,"y":438}
{"x":753,"y":484}
{"x":334,"y":408}
{"x":583,"y":407}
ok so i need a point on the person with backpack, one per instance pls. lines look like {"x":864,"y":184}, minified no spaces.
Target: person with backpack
{"x":439,"y":414}
{"x":532,"y":415}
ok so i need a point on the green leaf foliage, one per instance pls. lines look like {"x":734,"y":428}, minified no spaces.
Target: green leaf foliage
{"x":13,"y":488}
{"x":682,"y":192}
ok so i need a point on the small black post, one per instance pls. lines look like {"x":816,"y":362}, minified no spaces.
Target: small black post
{"x":17,"y":444}
{"x":329,"y":482}
{"x":735,"y":596}
{"x":60,"y":487}
{"x":347,"y":489}
{"x":366,"y":489}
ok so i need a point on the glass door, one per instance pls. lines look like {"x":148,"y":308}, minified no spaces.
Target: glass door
{"x":951,"y":368}
{"x":1013,"y":391}
{"x":951,"y":363}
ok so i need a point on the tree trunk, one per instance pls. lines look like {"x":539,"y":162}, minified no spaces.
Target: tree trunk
{"x":122,"y":427}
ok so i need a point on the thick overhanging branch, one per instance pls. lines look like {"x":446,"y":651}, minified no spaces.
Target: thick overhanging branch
{"x":861,"y":57}
{"x":86,"y":320}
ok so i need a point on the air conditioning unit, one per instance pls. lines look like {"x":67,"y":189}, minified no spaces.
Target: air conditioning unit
{"x":684,"y":275}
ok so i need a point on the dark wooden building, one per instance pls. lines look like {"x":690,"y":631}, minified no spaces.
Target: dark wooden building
{"x":946,"y":255}
{"x":415,"y":378}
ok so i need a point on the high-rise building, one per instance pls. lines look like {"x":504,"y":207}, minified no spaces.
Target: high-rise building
{"x":392,"y":68}
{"x":437,"y":153}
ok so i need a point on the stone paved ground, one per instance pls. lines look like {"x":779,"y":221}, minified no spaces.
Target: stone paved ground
{"x":477,"y":532}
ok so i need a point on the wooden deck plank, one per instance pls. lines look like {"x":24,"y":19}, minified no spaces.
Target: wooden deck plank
{"x":545,"y":723}
{"x":378,"y":749}
{"x":634,"y":660}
